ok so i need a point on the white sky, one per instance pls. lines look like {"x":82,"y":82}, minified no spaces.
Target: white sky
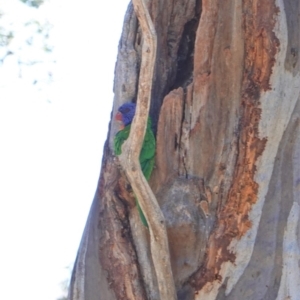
{"x":51,"y":144}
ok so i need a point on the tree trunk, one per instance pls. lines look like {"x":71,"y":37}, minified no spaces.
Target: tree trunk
{"x":226,"y":111}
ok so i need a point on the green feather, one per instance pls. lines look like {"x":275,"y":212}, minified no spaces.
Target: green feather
{"x":146,"y":158}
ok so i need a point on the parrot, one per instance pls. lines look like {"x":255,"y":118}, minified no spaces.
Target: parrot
{"x":125,"y":116}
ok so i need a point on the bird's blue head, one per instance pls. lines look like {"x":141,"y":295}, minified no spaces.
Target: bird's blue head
{"x":126,"y":113}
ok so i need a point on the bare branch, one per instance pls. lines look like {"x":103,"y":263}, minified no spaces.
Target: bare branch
{"x":130,"y":159}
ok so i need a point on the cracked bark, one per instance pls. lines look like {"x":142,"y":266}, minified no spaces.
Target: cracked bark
{"x":130,"y":158}
{"x":226,"y":110}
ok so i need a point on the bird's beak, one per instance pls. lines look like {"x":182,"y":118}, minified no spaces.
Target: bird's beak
{"x":119,"y":119}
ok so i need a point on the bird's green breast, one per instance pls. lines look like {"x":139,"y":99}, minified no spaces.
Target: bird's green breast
{"x":147,"y":154}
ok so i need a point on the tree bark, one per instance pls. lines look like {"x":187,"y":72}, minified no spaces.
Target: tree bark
{"x":129,"y":159}
{"x":226,"y":111}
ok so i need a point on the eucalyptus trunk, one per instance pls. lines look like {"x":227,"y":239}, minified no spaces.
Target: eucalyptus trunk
{"x":226,"y":113}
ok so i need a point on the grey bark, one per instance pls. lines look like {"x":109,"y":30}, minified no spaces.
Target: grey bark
{"x":226,"y":111}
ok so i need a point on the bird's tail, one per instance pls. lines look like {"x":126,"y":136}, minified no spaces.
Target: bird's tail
{"x":142,"y":216}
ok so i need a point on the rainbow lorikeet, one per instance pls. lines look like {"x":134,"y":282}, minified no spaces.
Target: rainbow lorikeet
{"x":125,"y":116}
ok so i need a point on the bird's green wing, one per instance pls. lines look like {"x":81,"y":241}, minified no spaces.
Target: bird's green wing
{"x":147,"y":157}
{"x":147,"y":154}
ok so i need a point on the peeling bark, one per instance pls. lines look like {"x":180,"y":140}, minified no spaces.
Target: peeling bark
{"x":226,"y":111}
{"x":129,"y":159}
